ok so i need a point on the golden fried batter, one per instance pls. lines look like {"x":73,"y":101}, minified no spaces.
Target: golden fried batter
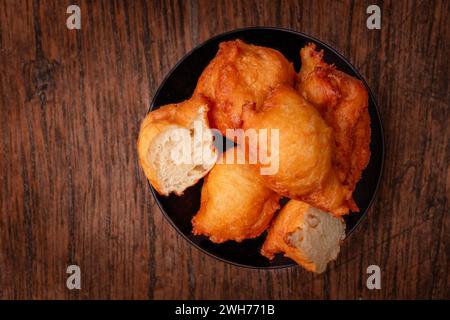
{"x":343,"y":103}
{"x":305,"y":234}
{"x":235,"y":203}
{"x":304,"y":152}
{"x":241,"y":74}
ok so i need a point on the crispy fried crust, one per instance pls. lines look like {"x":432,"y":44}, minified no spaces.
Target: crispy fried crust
{"x":305,"y":150}
{"x":343,"y":103}
{"x":235,"y":204}
{"x":178,"y":114}
{"x":241,"y":74}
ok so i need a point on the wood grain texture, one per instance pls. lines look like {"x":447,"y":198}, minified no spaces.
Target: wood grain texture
{"x":72,"y":191}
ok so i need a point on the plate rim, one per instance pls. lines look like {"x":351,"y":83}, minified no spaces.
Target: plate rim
{"x":321,"y":43}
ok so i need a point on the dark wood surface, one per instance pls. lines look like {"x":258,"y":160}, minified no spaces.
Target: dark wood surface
{"x":73,"y":193}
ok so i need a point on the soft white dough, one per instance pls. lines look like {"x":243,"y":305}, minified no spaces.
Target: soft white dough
{"x":182,"y":156}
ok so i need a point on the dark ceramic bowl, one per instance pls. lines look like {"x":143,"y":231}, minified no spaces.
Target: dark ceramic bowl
{"x":179,"y":85}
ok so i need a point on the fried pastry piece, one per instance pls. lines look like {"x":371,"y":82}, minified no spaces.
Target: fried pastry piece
{"x":304,"y":151}
{"x":240,"y":74}
{"x":343,"y":103}
{"x":305,"y":234}
{"x":235,"y":203}
{"x":175,"y":145}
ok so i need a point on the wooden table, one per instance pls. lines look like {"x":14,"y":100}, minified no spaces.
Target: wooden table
{"x":73,"y":193}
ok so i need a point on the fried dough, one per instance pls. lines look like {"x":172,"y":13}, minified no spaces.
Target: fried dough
{"x":304,"y":152}
{"x":175,"y":145}
{"x":241,"y":74}
{"x":235,"y":203}
{"x":305,"y":234}
{"x":342,"y":101}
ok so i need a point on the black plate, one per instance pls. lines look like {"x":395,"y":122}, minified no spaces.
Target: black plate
{"x":179,"y":85}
